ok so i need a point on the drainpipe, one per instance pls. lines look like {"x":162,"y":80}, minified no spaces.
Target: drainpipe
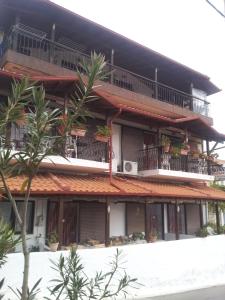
{"x":110,"y":143}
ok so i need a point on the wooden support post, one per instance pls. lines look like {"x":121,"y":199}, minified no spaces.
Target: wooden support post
{"x":107,"y":223}
{"x":78,"y":223}
{"x":163,"y":221}
{"x":176,"y":209}
{"x":208,"y":162}
{"x":147,"y":221}
{"x":201,"y":214}
{"x":156,"y":83}
{"x":112,"y":63}
{"x":61,"y":221}
{"x":51,"y":58}
{"x":217,"y":218}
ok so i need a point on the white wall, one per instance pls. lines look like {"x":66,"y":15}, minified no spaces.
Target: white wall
{"x":161,"y":268}
{"x":117,"y":219}
{"x":116,"y":145}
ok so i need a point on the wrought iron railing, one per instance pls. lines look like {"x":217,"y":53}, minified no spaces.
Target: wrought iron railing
{"x":29,"y":44}
{"x":154,"y":158}
{"x":76,"y":147}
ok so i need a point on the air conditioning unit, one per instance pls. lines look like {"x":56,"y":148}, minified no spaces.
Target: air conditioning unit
{"x":130,"y":167}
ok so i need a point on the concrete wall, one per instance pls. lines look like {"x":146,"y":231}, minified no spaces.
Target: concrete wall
{"x":117,"y":219}
{"x":161,"y":268}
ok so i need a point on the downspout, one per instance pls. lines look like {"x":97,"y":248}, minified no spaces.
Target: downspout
{"x":110,"y":143}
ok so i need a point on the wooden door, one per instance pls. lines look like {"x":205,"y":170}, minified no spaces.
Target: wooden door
{"x":70,"y":223}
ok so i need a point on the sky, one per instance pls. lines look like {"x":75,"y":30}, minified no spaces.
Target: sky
{"x":188,"y":31}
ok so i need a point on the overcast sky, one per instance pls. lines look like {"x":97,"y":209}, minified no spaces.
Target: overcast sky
{"x":189,"y":31}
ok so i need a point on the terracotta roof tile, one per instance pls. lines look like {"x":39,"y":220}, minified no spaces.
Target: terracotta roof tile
{"x":100,"y":185}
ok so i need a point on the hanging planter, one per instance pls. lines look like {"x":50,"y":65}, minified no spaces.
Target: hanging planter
{"x":185,"y":148}
{"x":103,"y":134}
{"x":78,"y":130}
{"x":62,"y":124}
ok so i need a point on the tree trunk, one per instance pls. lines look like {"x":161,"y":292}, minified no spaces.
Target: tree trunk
{"x":26,"y":255}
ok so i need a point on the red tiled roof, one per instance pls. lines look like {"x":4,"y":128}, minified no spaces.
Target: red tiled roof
{"x":59,"y":184}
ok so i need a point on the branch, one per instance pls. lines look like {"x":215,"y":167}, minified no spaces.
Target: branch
{"x":216,"y":9}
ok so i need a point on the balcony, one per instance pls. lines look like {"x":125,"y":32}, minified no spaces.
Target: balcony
{"x":83,"y":154}
{"x":154,"y":163}
{"x":30,"y":44}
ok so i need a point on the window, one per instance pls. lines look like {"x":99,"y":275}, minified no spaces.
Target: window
{"x":6,"y":212}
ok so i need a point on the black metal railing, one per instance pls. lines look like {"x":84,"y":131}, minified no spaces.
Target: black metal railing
{"x":27,"y":43}
{"x":76,"y":147}
{"x":154,"y":158}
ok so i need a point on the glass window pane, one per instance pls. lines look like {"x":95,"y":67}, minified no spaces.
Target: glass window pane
{"x":5,"y":211}
{"x":30,"y":210}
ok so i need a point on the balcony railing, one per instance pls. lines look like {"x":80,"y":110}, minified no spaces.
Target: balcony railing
{"x":154,"y":158}
{"x":76,"y":147}
{"x":27,"y":43}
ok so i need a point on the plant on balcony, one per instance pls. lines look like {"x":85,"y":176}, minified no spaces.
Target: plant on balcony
{"x":103,"y":133}
{"x":166,"y":142}
{"x":78,"y":129}
{"x":175,"y":151}
{"x":212,"y":157}
{"x":40,"y":124}
{"x":195,"y":153}
{"x":203,"y":156}
{"x":184,"y":149}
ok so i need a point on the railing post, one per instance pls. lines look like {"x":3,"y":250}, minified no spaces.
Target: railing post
{"x":217,"y":218}
{"x":159,"y":157}
{"x":51,"y":46}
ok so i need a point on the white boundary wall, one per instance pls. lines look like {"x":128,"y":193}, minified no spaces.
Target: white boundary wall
{"x":162,"y":267}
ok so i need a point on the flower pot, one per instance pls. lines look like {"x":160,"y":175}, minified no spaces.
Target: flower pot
{"x":153,"y":238}
{"x":53,"y":246}
{"x":78,"y":131}
{"x":184,"y":152}
{"x":166,"y":148}
{"x":102,"y":138}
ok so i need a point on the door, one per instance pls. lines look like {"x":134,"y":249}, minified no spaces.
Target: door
{"x":70,"y":223}
{"x":156,"y":220}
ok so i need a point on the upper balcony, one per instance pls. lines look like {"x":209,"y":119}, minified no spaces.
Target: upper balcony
{"x":29,"y":44}
{"x":80,"y":153}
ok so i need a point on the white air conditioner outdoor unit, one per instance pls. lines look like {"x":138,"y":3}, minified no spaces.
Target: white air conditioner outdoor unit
{"x":130,"y":167}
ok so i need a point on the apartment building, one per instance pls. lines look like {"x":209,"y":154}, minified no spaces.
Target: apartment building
{"x":153,"y":175}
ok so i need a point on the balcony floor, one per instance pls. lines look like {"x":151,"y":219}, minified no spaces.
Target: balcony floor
{"x":175,"y":175}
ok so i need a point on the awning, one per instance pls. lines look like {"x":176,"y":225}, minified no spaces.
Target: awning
{"x":195,"y":124}
{"x":60,"y":184}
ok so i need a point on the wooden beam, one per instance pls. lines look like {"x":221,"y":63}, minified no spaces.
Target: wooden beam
{"x":147,"y":221}
{"x":163,"y":221}
{"x":61,"y":221}
{"x":201,"y":214}
{"x":208,"y":162}
{"x":78,"y":223}
{"x":176,"y":210}
{"x":107,"y":223}
{"x":217,"y":218}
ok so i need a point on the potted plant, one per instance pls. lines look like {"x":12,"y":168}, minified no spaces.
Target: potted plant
{"x":53,"y":241}
{"x":175,"y":151}
{"x":62,"y":123}
{"x":153,"y":235}
{"x":78,"y":129}
{"x":185,"y":148}
{"x":195,"y":153}
{"x":165,"y":142}
{"x":212,"y":157}
{"x":102,"y":134}
{"x":203,"y":155}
